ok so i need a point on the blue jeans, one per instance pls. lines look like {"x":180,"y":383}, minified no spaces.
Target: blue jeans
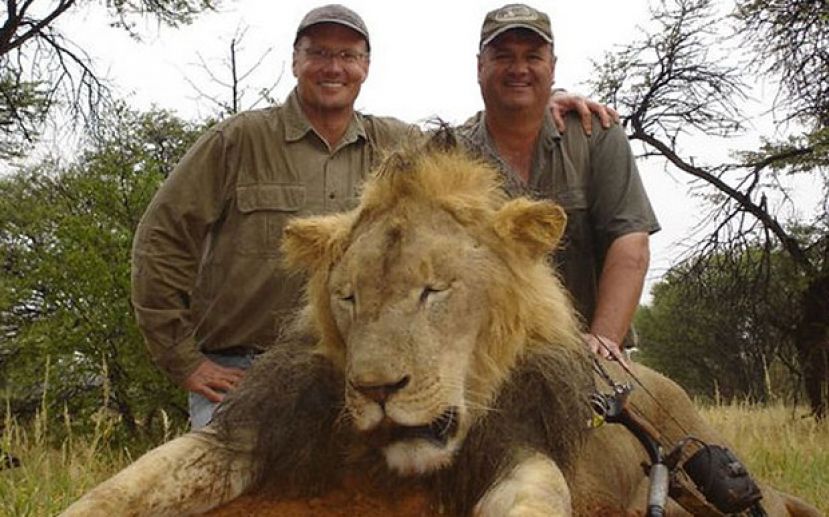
{"x":201,"y":409}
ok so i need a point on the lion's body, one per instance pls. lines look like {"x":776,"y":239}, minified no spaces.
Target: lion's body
{"x":439,"y":368}
{"x":608,"y":475}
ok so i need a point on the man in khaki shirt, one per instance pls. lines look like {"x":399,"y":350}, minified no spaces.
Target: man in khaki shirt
{"x":208,"y":291}
{"x":207,"y":287}
{"x":605,"y":253}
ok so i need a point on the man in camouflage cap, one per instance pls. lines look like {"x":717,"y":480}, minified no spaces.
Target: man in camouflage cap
{"x":605,"y":254}
{"x":515,"y":16}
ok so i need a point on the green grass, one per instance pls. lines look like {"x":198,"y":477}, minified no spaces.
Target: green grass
{"x":788,"y":452}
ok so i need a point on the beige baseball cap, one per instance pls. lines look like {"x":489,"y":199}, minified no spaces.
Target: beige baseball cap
{"x":515,"y":16}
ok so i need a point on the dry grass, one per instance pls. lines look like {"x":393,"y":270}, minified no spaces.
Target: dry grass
{"x":52,"y":475}
{"x":780,"y":446}
{"x":787,"y":451}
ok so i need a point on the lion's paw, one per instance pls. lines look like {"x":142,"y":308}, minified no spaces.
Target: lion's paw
{"x":537,"y":509}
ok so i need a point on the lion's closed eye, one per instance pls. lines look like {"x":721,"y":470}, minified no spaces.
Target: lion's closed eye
{"x":434,"y":292}
{"x":345,"y":298}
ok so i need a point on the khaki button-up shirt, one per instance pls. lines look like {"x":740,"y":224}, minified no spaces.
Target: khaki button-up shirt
{"x":206,"y":262}
{"x":594,"y":178}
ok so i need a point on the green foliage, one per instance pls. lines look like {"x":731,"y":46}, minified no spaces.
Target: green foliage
{"x":722,"y":335}
{"x":172,"y":13}
{"x":23,"y":106}
{"x":65,"y":240}
{"x":52,"y":471}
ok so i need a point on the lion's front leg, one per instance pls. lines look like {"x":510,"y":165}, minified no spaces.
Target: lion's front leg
{"x":534,"y":487}
{"x":185,"y":476}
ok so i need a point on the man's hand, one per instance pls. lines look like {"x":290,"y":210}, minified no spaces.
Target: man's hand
{"x":605,"y":347}
{"x":212,"y":380}
{"x":562,"y":102}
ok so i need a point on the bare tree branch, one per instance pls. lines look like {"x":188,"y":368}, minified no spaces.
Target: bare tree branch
{"x":40,"y":69}
{"x":34,"y":27}
{"x":234,"y":100}
{"x":789,"y":243}
{"x":680,"y":80}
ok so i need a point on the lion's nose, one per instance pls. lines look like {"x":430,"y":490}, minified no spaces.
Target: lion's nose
{"x":381,"y":392}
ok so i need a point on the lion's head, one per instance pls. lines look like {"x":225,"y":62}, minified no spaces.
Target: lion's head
{"x":427,"y":295}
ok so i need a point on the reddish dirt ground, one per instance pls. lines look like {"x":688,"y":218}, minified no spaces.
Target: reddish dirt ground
{"x":348,"y":501}
{"x":339,"y":504}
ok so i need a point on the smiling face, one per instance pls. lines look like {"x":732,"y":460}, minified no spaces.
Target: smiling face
{"x":326,"y":82}
{"x":516,"y":72}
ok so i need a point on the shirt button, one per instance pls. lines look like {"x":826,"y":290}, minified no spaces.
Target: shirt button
{"x":331,"y":195}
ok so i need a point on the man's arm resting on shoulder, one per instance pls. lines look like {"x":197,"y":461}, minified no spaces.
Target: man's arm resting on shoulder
{"x":562,"y":102}
{"x":619,"y":290}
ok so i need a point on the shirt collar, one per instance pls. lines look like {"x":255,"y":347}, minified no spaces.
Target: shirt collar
{"x":549,"y":133}
{"x":547,"y":141}
{"x":297,"y":125}
{"x":548,"y":137}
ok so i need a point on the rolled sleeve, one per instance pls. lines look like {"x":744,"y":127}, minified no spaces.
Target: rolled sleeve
{"x":619,"y":203}
{"x":180,"y":360}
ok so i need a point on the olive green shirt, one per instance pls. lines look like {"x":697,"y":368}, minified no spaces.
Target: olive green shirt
{"x":206,"y":273}
{"x":594,"y":178}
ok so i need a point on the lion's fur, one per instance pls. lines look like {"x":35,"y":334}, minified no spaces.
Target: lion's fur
{"x":529,"y":360}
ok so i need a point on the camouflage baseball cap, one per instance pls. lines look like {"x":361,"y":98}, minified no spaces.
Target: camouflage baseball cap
{"x":333,"y":13}
{"x":515,"y":16}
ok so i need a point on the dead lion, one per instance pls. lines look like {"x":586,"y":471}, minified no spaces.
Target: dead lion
{"x":438,"y":356}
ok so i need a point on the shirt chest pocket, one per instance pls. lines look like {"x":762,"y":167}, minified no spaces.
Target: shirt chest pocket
{"x":263,"y":211}
{"x":575,"y":203}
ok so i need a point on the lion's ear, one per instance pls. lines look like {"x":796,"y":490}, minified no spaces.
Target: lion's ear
{"x":314,"y":242}
{"x":532,"y":227}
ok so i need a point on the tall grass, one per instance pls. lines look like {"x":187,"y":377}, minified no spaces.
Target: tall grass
{"x":788,"y":452}
{"x":52,"y":475}
{"x":56,"y":466}
{"x":779,"y":446}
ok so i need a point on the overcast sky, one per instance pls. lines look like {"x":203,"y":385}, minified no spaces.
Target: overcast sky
{"x":422,"y":65}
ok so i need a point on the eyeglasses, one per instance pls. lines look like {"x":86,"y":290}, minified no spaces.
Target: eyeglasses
{"x":323,"y":55}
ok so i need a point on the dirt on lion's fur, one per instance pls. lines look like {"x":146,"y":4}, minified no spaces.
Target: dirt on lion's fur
{"x":351,"y":499}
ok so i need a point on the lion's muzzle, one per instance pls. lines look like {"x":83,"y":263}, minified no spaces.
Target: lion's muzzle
{"x":438,"y":432}
{"x":379,"y":393}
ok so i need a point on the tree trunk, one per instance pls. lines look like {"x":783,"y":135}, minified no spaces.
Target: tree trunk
{"x":812,"y":341}
{"x":127,"y":417}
